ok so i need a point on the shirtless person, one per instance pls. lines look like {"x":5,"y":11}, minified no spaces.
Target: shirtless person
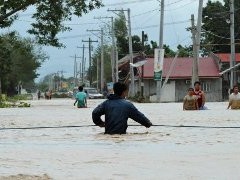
{"x":200,"y":95}
{"x":234,"y":99}
{"x":190,"y":101}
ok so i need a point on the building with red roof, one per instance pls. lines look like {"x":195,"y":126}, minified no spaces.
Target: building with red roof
{"x":223,"y":60}
{"x":178,"y":73}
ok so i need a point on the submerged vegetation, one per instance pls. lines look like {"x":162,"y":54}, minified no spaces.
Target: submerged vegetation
{"x":13,"y":102}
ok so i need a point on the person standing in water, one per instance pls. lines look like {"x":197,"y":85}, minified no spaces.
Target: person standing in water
{"x":190,"y":101}
{"x":81,"y":98}
{"x":117,"y":111}
{"x":234,"y":99}
{"x":200,"y":95}
{"x":39,"y":94}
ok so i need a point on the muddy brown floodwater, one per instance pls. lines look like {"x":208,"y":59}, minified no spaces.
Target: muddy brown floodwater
{"x":86,"y":153}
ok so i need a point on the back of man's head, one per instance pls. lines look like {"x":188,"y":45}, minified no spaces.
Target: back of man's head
{"x":80,"y":88}
{"x":119,"y":88}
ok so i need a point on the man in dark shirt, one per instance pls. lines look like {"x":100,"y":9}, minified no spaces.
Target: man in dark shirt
{"x":117,"y":111}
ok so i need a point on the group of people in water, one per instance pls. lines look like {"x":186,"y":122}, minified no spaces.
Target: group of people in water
{"x":195,"y":99}
{"x":117,"y":110}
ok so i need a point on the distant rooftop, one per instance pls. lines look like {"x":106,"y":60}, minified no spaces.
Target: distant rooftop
{"x":183,"y":68}
{"x":225,"y":57}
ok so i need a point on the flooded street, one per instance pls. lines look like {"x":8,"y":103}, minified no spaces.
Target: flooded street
{"x":86,"y":153}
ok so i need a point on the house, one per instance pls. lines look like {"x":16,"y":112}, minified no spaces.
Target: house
{"x":223,"y":60}
{"x":124,"y":66}
{"x":179,"y":71}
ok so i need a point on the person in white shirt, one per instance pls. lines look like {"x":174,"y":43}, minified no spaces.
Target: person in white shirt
{"x":234,"y":99}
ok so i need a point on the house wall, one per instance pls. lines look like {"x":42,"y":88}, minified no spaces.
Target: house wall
{"x":168,"y":92}
{"x":215,"y":92}
{"x":181,"y":89}
{"x":175,"y":90}
{"x":149,"y":87}
{"x":211,"y":87}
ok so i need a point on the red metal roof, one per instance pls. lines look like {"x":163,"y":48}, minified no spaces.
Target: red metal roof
{"x":183,"y":68}
{"x":225,"y":57}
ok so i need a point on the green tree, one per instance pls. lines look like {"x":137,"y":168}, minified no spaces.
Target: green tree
{"x":149,"y":48}
{"x":122,"y":40}
{"x":168,"y":51}
{"x":19,"y":62}
{"x":185,"y":51}
{"x":107,"y":63}
{"x":49,"y":16}
{"x":216,"y":29}
{"x":121,"y":33}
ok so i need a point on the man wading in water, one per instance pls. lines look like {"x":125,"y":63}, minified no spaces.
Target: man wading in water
{"x":200,"y":96}
{"x":117,"y":111}
{"x":81,"y":98}
{"x":234,"y":99}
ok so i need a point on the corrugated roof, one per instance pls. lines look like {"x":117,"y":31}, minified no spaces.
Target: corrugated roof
{"x":183,"y":68}
{"x":225,"y":57}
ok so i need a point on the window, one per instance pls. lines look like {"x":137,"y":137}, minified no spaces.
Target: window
{"x":206,"y":86}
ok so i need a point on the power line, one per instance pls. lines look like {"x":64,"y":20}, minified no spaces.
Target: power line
{"x":128,"y":2}
{"x":157,"y":25}
{"x":181,"y":6}
{"x":67,"y":24}
{"x":145,"y":12}
{"x":130,"y":125}
{"x":174,"y":3}
{"x":75,"y":36}
{"x":222,"y":37}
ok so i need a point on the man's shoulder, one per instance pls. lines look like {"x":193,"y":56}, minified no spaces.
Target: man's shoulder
{"x":128,"y":103}
{"x":123,"y":102}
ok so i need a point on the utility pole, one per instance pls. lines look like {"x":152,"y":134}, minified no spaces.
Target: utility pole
{"x":83,"y":54}
{"x":90,"y":58}
{"x":114,"y":61}
{"x":75,"y":69}
{"x":117,"y":77}
{"x":132,"y":92}
{"x":142,"y":73}
{"x":132,"y":88}
{"x":198,"y":40}
{"x":159,"y":82}
{"x":195,"y":62}
{"x":0,"y":86}
{"x":102,"y":61}
{"x":232,"y":32}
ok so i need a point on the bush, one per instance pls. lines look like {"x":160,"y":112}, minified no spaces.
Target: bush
{"x":13,"y":101}
{"x":62,"y":95}
{"x":139,"y":99}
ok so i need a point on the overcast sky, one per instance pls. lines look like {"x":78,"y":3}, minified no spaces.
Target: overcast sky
{"x":145,"y":16}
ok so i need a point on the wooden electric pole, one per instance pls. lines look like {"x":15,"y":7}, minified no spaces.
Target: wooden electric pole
{"x":195,"y":63}
{"x":83,"y":54}
{"x":132,"y":86}
{"x":232,"y":32}
{"x":159,"y":82}
{"x":89,"y":41}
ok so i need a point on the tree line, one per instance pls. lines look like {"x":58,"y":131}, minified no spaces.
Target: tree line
{"x":19,"y":60}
